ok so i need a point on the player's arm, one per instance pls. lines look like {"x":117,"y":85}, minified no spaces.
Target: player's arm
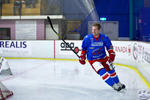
{"x":110,"y":49}
{"x":83,"y":51}
{"x":111,"y":55}
{"x":82,"y":57}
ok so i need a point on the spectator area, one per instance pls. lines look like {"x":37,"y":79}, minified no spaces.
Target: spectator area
{"x":28,"y":7}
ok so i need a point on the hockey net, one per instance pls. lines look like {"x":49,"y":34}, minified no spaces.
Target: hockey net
{"x":4,"y":70}
{"x":4,"y":67}
{"x":4,"y":92}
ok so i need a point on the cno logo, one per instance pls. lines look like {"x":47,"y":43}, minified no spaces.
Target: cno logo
{"x":68,"y":46}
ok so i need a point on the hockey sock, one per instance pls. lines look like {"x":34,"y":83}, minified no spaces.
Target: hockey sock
{"x":114,"y":76}
{"x":106,"y":77}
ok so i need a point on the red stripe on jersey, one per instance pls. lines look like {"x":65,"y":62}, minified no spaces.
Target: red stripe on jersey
{"x":83,"y":52}
{"x":96,"y":38}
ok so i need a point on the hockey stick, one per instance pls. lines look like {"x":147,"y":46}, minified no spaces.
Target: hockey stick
{"x":50,"y":22}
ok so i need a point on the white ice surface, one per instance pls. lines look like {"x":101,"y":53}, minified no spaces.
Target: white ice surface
{"x":66,"y":80}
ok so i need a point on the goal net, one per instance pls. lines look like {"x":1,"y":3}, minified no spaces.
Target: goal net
{"x":4,"y":67}
{"x":4,"y":92}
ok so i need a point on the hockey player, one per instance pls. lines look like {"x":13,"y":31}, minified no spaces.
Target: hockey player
{"x":94,"y":45}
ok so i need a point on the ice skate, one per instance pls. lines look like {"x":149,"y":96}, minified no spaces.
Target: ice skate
{"x":121,"y":85}
{"x":116,"y":87}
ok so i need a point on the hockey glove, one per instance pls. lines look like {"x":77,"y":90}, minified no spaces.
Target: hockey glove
{"x":82,"y":57}
{"x":111,"y":55}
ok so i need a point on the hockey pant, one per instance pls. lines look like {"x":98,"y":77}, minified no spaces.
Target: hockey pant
{"x":108,"y":75}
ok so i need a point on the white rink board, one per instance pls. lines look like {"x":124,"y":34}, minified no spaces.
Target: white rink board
{"x":124,"y":52}
{"x":39,"y":49}
{"x":63,"y":51}
{"x":130,"y":53}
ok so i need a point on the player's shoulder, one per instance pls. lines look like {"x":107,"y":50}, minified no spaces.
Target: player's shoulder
{"x":103,"y":35}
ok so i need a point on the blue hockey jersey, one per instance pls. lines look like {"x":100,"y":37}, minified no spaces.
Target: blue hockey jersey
{"x":95,"y":48}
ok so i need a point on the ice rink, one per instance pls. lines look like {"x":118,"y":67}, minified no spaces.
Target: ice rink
{"x":66,"y":80}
